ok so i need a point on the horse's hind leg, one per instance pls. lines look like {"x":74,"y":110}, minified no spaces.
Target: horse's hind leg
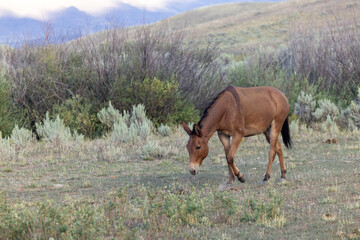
{"x":279,"y":152}
{"x":267,"y":134}
{"x":273,"y":137}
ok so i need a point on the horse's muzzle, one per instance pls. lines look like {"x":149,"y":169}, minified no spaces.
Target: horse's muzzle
{"x":194,"y":170}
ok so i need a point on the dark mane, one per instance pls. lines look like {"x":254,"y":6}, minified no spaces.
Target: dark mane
{"x":206,"y":111}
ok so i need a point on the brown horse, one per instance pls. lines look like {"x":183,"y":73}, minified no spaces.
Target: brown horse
{"x":241,"y":112}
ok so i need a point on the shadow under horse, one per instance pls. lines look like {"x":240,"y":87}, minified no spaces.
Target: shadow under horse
{"x":241,"y":112}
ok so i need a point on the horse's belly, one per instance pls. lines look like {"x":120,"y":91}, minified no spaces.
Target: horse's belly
{"x":253,"y":131}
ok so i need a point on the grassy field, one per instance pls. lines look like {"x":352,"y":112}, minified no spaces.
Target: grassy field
{"x":94,"y":190}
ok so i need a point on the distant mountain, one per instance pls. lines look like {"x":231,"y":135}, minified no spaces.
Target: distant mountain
{"x":71,"y":22}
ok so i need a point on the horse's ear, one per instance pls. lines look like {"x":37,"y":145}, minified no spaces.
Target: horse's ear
{"x":186,"y":128}
{"x":197,"y":130}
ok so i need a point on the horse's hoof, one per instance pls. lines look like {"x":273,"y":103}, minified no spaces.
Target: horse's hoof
{"x":242,"y":179}
{"x":263,"y":182}
{"x":282,"y":180}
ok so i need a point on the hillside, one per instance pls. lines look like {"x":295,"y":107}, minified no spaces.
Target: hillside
{"x":235,"y":25}
{"x":14,"y":29}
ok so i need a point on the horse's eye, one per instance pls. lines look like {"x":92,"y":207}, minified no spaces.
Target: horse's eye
{"x":198,"y":147}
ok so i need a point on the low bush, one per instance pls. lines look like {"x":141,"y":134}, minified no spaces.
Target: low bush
{"x":79,"y":116}
{"x":304,"y":107}
{"x":54,"y":131}
{"x":330,"y":127}
{"x":294,"y":127}
{"x":7,"y":149}
{"x":122,"y":133}
{"x":354,"y":111}
{"x":110,"y":115}
{"x":326,"y":109}
{"x":164,"y":130}
{"x":129,"y":128}
{"x":21,"y":137}
{"x":152,"y":150}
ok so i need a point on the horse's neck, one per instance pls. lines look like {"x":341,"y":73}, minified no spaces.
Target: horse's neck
{"x":210,"y":124}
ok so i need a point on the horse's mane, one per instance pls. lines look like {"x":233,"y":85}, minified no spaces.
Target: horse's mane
{"x":210,"y":104}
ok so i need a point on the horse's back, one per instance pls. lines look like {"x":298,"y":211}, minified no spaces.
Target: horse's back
{"x":263,"y":97}
{"x":259,"y":106}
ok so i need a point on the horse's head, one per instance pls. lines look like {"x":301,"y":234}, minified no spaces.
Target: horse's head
{"x":197,"y":146}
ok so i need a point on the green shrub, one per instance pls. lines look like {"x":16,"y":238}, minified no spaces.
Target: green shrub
{"x":326,"y":108}
{"x":152,"y":150}
{"x":162,"y":99}
{"x":78,"y":115}
{"x":54,"y":131}
{"x":110,"y":115}
{"x":354,"y":111}
{"x":330,"y":127}
{"x":304,"y":107}
{"x":350,"y":116}
{"x":21,"y":137}
{"x":7,"y":149}
{"x":164,"y":130}
{"x":12,"y":145}
{"x":122,"y":133}
{"x":158,"y":97}
{"x":184,"y":112}
{"x":6,"y":111}
{"x":143,"y":129}
{"x":129,"y":127}
{"x":294,"y":127}
{"x":140,"y":122}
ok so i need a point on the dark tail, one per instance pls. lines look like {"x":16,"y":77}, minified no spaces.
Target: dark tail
{"x":285,"y":132}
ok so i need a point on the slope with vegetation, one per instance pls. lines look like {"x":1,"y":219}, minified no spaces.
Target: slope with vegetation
{"x":237,"y":25}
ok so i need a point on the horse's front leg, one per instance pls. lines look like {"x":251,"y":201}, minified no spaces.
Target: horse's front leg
{"x":225,"y":140}
{"x":237,"y":138}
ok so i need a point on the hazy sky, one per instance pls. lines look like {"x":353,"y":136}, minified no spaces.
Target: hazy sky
{"x":41,"y":9}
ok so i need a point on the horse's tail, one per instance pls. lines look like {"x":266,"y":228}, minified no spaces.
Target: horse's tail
{"x":285,"y":132}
